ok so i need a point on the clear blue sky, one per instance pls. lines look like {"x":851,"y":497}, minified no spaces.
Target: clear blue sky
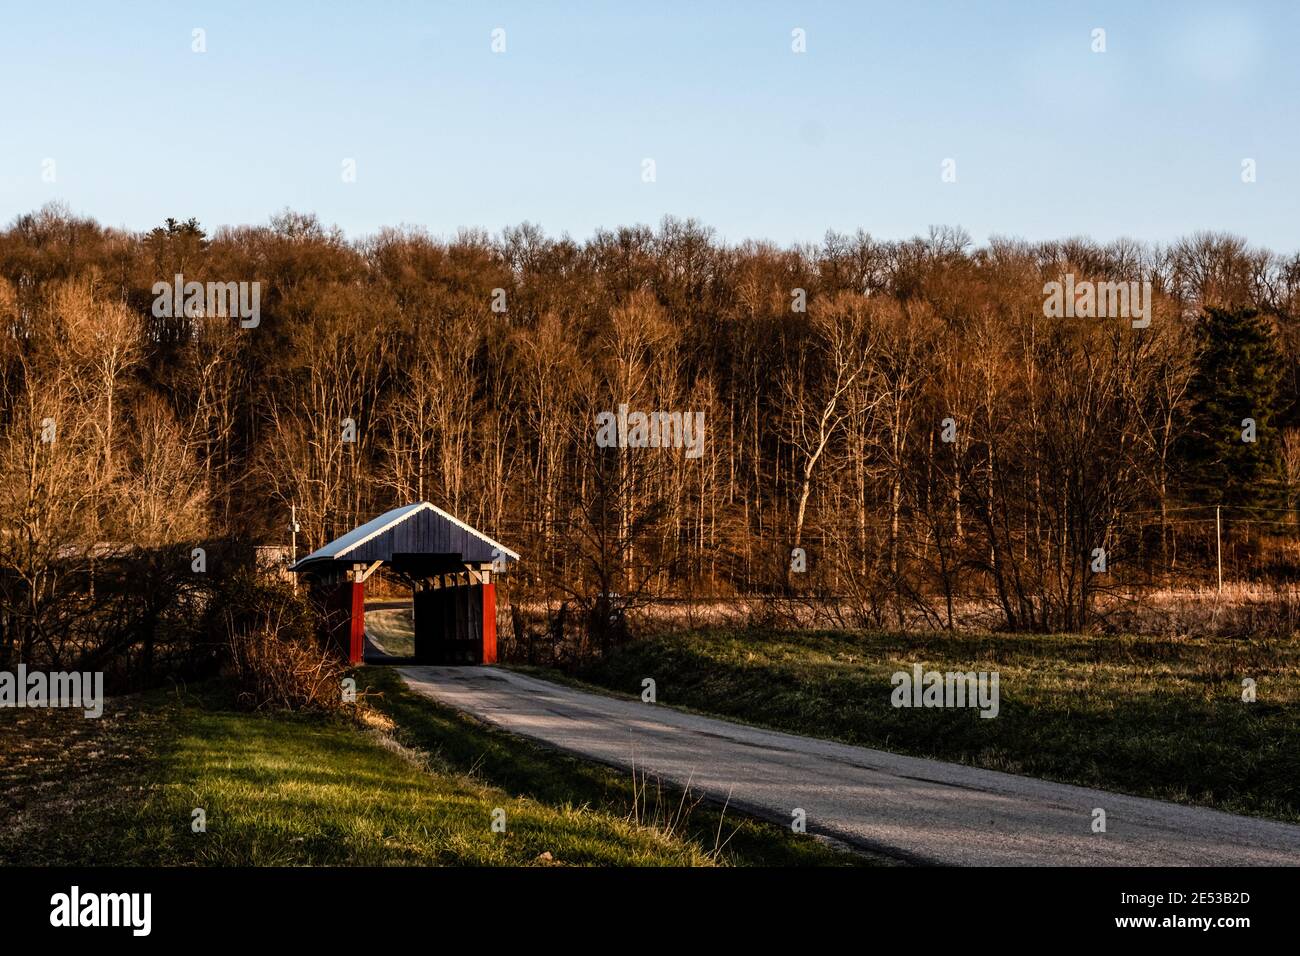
{"x":1050,"y":139}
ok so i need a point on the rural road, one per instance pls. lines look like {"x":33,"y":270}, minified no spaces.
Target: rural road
{"x":918,"y":810}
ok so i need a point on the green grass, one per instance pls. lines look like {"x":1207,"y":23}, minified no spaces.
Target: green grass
{"x":283,"y":791}
{"x":290,"y":790}
{"x":1159,"y":717}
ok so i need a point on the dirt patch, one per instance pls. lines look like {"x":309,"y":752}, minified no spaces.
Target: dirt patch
{"x":62,"y":774}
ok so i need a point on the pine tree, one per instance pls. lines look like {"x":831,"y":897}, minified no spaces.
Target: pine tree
{"x":1231,"y":450}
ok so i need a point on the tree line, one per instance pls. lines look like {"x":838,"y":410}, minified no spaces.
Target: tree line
{"x":893,"y":425}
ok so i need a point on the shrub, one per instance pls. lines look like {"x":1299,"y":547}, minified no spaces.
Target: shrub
{"x":275,"y":660}
{"x":272,"y":670}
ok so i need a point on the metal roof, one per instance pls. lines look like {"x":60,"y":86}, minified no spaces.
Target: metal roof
{"x":421,"y":528}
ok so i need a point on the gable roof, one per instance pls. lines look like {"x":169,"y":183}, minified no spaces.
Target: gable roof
{"x":421,"y":528}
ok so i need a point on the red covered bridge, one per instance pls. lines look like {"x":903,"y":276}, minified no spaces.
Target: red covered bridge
{"x":450,"y":568}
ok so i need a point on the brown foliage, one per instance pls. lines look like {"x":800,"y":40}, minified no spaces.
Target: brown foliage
{"x":823,"y":427}
{"x":273,"y":671}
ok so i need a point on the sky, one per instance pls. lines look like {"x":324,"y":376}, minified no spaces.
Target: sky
{"x":1048,"y":138}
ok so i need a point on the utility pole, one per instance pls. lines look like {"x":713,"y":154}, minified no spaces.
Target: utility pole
{"x":293,"y":547}
{"x":1218,"y":545}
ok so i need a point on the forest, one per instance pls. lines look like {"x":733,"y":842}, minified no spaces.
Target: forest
{"x":895,"y":433}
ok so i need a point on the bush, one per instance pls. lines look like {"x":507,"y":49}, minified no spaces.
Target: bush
{"x":275,"y":671}
{"x":275,"y":660}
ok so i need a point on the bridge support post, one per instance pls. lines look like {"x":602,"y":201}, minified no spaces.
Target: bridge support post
{"x":488,"y":608}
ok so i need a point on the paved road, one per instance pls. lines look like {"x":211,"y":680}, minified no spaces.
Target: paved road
{"x":919,"y":810}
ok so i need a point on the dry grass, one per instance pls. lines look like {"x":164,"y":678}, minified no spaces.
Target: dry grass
{"x":1241,"y":610}
{"x":67,"y":783}
{"x":273,"y":671}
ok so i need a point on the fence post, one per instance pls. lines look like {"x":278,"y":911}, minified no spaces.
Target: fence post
{"x":1218,"y":545}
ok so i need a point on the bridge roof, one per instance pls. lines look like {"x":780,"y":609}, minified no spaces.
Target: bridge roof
{"x":411,"y":531}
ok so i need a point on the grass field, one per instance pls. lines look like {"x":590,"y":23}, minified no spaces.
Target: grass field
{"x":1159,"y":717}
{"x":285,"y":790}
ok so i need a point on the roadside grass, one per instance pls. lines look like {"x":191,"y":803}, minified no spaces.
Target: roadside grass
{"x":1154,"y":716}
{"x":283,"y":790}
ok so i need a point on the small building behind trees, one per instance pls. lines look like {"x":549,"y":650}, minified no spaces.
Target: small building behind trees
{"x":449,"y":566}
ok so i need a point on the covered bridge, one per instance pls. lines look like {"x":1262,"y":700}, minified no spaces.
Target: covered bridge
{"x":450,"y":568}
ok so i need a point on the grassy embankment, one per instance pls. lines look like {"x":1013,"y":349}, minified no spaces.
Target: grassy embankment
{"x":1158,"y":717}
{"x":417,"y":786}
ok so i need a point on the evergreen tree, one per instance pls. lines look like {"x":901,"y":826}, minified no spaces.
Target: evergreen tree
{"x":1230,"y":452}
